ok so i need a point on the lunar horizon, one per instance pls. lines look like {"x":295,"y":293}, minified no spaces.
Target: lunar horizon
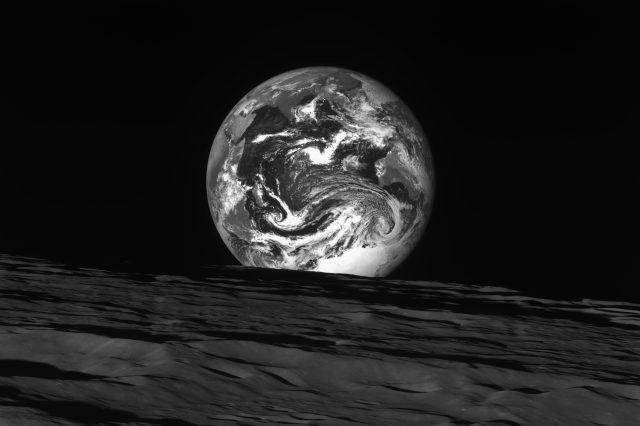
{"x":238,"y":345}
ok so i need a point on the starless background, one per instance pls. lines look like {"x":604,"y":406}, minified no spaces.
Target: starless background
{"x":110,"y":109}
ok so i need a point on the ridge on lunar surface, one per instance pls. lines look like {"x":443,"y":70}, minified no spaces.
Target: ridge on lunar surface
{"x":242,"y":346}
{"x":321,"y":169}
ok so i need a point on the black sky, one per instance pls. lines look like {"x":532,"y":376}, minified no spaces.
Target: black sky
{"x":531,"y":111}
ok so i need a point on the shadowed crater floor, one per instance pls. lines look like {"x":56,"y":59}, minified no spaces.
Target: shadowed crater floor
{"x":243,"y":346}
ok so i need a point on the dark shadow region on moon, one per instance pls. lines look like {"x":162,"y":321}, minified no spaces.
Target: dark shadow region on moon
{"x":244,"y":346}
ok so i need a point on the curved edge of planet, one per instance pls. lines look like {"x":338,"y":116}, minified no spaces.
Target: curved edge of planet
{"x":321,"y":169}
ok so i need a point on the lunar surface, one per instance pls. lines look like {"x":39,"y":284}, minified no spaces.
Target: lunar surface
{"x":321,"y":169}
{"x":242,"y":346}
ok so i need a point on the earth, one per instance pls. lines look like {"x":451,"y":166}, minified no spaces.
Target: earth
{"x":322,"y":169}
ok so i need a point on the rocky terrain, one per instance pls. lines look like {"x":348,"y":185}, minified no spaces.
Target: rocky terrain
{"x":243,"y":346}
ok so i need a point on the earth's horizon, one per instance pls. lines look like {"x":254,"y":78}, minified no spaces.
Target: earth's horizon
{"x":321,"y":169}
